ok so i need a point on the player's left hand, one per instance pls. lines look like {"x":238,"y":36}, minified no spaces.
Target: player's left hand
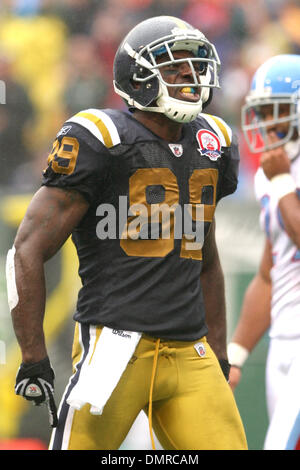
{"x":225,"y":366}
{"x":35,"y":382}
{"x":234,"y":377}
{"x":276,"y":161}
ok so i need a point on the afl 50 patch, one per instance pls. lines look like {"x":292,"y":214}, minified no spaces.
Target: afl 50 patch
{"x":209,"y":144}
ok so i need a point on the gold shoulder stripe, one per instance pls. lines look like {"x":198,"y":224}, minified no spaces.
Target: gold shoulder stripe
{"x":100,"y":125}
{"x":222,"y":128}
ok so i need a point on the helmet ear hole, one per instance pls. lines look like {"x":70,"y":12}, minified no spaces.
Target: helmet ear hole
{"x":134,"y":84}
{"x":150,"y":90}
{"x":144,"y":92}
{"x":140,"y":72}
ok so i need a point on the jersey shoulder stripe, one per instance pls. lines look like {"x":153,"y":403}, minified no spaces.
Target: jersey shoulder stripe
{"x":99,"y":124}
{"x":220,"y":127}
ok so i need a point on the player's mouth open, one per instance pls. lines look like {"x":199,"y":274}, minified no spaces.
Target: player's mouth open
{"x":189,"y":93}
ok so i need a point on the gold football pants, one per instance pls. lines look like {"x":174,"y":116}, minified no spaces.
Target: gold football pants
{"x":184,"y":392}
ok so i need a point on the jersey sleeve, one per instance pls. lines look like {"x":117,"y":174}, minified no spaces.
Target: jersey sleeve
{"x":229,"y":169}
{"x":261,"y":184}
{"x":228,"y":163}
{"x":80,"y":158}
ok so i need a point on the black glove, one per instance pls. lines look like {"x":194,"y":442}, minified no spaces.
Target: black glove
{"x":35,"y":382}
{"x":225,"y":366}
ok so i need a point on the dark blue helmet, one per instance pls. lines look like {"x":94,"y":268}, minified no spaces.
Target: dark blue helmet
{"x":137,"y":77}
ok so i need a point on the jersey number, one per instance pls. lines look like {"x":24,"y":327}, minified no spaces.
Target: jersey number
{"x":63,"y":156}
{"x":164,"y":177}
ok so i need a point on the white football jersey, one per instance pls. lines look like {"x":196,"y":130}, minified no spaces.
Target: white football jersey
{"x":285,"y":273}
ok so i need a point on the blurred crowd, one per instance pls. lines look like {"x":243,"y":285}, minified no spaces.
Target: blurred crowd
{"x":56,"y":59}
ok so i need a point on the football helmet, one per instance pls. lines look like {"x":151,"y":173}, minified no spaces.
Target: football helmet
{"x":275,"y":83}
{"x":137,"y":77}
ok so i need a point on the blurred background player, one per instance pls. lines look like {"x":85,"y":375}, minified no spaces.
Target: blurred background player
{"x":270,"y":120}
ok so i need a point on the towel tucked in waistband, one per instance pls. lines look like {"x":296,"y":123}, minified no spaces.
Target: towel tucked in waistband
{"x":101,"y":373}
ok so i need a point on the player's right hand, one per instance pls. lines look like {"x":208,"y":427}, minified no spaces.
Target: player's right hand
{"x":234,"y":377}
{"x":35,"y":382}
{"x":275,"y":161}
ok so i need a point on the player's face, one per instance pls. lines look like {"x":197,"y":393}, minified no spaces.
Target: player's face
{"x":266,"y":113}
{"x":181,"y":73}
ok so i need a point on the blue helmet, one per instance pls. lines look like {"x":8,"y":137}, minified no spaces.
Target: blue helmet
{"x":276,"y":82}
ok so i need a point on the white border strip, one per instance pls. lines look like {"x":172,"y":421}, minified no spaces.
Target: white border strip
{"x":70,"y":415}
{"x":91,"y":126}
{"x":88,"y":125}
{"x":114,"y":134}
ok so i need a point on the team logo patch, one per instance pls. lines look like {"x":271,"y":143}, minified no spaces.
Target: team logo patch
{"x":177,"y":149}
{"x":209,"y":144}
{"x":200,"y":348}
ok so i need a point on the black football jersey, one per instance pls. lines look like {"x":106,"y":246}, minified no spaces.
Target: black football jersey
{"x":139,"y":256}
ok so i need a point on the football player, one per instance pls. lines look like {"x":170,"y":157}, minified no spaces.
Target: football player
{"x":150,"y":319}
{"x":270,"y":120}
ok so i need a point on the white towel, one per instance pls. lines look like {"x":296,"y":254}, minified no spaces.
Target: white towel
{"x":98,"y":378}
